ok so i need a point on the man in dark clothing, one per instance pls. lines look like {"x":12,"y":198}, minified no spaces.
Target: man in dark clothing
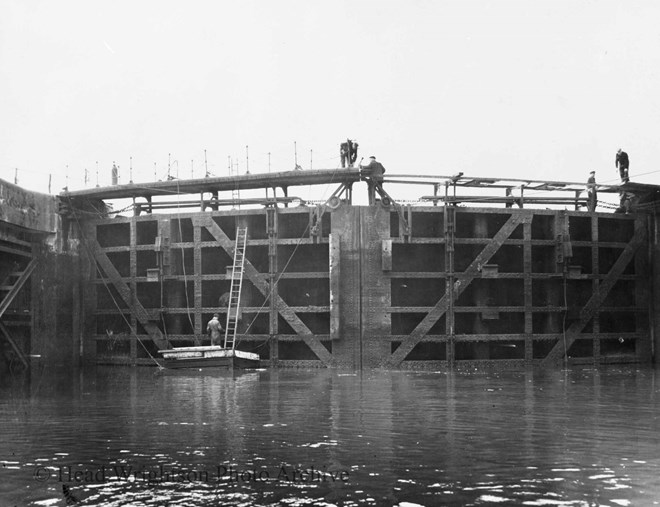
{"x":373,"y":175}
{"x":592,"y":197}
{"x":353,"y":152}
{"x":623,"y":163}
{"x":344,"y":153}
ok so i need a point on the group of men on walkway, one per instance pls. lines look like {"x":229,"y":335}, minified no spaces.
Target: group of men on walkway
{"x":371,"y":172}
{"x":348,"y":152}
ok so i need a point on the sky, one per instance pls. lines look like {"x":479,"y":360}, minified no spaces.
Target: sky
{"x":511,"y":89}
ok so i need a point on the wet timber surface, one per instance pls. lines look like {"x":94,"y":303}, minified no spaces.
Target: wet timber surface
{"x":136,"y":436}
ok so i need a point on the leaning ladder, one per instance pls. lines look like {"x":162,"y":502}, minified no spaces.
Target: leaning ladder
{"x":235,"y":291}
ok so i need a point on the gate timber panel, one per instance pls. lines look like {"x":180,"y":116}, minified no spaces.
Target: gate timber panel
{"x":601,"y":291}
{"x":262,"y":286}
{"x":168,"y":271}
{"x":519,"y":281}
{"x":481,"y":285}
{"x":456,"y":288}
{"x":134,"y":306}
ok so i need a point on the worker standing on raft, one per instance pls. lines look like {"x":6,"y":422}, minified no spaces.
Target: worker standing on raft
{"x":214,"y":329}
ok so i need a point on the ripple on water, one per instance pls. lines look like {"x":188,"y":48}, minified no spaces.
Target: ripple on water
{"x":401,"y":437}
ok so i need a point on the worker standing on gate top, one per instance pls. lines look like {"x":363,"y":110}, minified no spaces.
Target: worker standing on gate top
{"x":352,"y":151}
{"x":344,"y":153}
{"x":592,"y":196}
{"x":373,"y":175}
{"x":115,"y":174}
{"x":214,"y":329}
{"x":622,"y":162}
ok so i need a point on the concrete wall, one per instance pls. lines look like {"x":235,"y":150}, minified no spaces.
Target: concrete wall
{"x":31,"y":210}
{"x":32,"y":229}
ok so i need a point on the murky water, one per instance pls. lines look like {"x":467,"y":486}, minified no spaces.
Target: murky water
{"x":123,"y":436}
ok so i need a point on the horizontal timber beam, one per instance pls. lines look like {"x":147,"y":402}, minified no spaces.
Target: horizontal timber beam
{"x":134,"y":306}
{"x":462,"y":281}
{"x":591,"y":307}
{"x":263,"y":286}
{"x":227,"y":183}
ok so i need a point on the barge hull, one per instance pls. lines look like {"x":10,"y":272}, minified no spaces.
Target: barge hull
{"x":225,"y":363}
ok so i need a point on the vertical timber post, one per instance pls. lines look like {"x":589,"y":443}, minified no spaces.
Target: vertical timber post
{"x":197,"y":294}
{"x":334,"y":252}
{"x":595,"y":270}
{"x":654,"y":240}
{"x":164,"y":232}
{"x":643,"y":349}
{"x":450,"y":217}
{"x":271,"y":227}
{"x":89,"y":297}
{"x":76,"y":310}
{"x":527,"y":283}
{"x":133,"y":286}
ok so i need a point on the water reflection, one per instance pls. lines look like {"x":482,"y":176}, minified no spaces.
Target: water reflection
{"x":122,"y":436}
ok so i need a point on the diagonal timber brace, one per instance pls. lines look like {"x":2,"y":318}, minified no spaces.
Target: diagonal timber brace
{"x":555,"y":356}
{"x":19,"y":352}
{"x":18,"y":285}
{"x":134,"y":306}
{"x":262,"y":286}
{"x":463,"y":280}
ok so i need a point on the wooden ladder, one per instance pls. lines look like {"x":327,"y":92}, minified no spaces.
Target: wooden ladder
{"x":233,"y":309}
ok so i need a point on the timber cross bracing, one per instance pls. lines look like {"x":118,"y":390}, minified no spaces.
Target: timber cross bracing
{"x":589,"y":309}
{"x":15,"y":288}
{"x":463,"y":280}
{"x":134,"y":306}
{"x":262,"y":286}
{"x":11,"y":290}
{"x":395,"y":306}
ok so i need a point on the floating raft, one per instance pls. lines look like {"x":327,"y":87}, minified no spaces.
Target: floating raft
{"x":213,"y":356}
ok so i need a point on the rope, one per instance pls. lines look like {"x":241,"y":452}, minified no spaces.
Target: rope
{"x":183,"y":258}
{"x":98,"y":270}
{"x":270,"y":292}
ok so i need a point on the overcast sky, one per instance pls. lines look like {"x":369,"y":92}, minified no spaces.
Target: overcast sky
{"x":533,"y":89}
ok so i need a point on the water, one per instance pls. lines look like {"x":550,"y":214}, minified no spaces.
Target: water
{"x":124,"y":436}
